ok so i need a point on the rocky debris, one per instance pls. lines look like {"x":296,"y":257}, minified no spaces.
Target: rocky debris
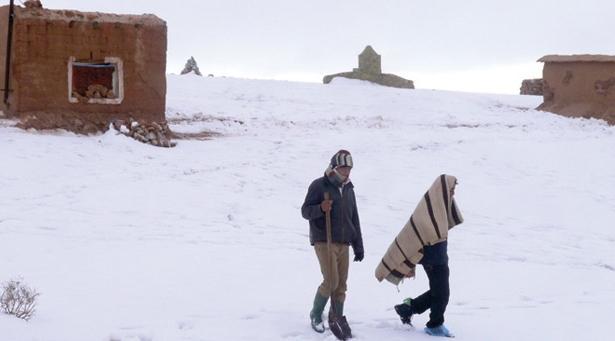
{"x":73,"y":123}
{"x":385,"y":79}
{"x":204,"y":135}
{"x":532,"y":87}
{"x":154,"y":133}
{"x":33,"y":4}
{"x":191,"y":66}
{"x":370,"y":70}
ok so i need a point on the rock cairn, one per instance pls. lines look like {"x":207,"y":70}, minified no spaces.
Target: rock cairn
{"x":191,"y":66}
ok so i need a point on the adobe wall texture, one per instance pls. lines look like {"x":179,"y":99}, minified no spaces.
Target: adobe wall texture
{"x":44,"y":40}
{"x":580,"y":89}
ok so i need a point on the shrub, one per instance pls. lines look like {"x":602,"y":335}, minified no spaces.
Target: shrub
{"x":18,"y":299}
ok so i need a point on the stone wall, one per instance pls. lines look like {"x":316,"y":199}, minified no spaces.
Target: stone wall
{"x":382,"y":79}
{"x":531,"y":87}
{"x":370,"y":62}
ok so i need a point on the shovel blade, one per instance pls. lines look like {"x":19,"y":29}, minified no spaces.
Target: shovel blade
{"x":335,"y":324}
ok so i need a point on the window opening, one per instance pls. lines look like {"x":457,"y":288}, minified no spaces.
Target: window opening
{"x":96,"y":82}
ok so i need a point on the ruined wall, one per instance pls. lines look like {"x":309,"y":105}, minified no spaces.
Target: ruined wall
{"x":45,"y":40}
{"x":580,"y":89}
{"x":531,"y":87}
{"x":384,"y":79}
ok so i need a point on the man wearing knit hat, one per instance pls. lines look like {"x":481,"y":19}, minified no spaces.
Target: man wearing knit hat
{"x":345,"y":231}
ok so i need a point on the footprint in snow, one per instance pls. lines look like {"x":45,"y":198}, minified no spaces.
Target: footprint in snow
{"x":606,"y":266}
{"x":185,"y":325}
{"x":291,"y":335}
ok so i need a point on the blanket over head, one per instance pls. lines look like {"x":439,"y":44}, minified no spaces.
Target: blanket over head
{"x":435,"y":214}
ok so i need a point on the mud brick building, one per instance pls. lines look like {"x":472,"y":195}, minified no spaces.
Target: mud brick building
{"x":93,"y":66}
{"x":579,"y":86}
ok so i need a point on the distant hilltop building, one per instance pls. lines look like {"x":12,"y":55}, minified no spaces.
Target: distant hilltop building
{"x":579,"y":86}
{"x":531,"y":87}
{"x":370,"y":69}
{"x":87,"y":68}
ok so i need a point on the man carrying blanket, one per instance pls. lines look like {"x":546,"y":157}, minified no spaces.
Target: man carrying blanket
{"x":423,"y":240}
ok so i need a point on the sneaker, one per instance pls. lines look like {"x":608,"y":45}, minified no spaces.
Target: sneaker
{"x":405,"y":313}
{"x":439,"y":331}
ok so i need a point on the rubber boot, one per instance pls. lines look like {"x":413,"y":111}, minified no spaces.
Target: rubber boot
{"x":316,"y":314}
{"x":343,"y":322}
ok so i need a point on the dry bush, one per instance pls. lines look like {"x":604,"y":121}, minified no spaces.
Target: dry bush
{"x":18,"y":299}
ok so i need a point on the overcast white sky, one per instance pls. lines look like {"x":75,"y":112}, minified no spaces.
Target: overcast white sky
{"x":465,"y":45}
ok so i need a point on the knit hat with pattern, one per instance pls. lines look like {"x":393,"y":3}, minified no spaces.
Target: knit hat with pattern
{"x":341,"y":158}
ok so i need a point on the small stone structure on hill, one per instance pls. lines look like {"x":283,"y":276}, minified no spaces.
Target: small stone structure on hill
{"x":531,"y":87}
{"x":579,"y":86}
{"x":370,"y":69}
{"x":191,"y":66}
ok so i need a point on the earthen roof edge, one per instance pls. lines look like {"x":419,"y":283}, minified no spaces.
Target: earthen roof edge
{"x":73,"y":15}
{"x":600,"y":58}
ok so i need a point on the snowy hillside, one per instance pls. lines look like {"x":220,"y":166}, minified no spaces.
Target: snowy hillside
{"x":205,"y":241}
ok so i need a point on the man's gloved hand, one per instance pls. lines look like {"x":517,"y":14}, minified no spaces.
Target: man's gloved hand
{"x":358,"y":256}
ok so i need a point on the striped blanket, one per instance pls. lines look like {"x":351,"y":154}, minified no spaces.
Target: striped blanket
{"x":435,"y":214}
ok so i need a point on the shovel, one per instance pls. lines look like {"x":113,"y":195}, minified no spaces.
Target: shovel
{"x":335,"y":322}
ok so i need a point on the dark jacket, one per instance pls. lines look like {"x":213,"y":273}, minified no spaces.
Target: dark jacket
{"x":346,"y":228}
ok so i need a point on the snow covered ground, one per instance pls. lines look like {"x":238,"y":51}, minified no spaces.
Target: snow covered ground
{"x":205,"y":241}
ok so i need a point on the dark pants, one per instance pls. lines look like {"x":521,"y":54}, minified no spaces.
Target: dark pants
{"x":436,"y":298}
